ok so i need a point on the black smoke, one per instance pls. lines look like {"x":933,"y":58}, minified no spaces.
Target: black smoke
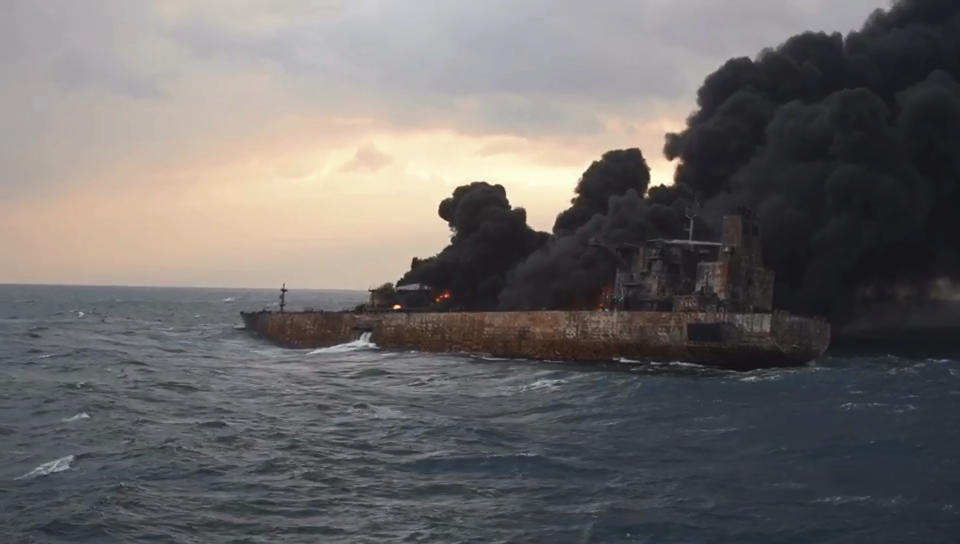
{"x":614,"y":174}
{"x":846,"y":147}
{"x":571,"y":271}
{"x":495,"y":260}
{"x":489,"y":239}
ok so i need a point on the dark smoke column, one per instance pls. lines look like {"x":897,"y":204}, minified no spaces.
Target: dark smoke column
{"x":847,"y":148}
{"x":610,"y":205}
{"x":614,"y":174}
{"x":489,"y":238}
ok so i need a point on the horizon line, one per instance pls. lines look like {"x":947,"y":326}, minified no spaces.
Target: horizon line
{"x":141,"y":286}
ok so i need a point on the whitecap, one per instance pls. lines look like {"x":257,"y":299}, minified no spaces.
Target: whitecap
{"x":940,"y":361}
{"x":757,"y":379}
{"x":772,"y":375}
{"x":543,"y":384}
{"x":230,"y":299}
{"x":859,"y":405}
{"x":57,"y":465}
{"x":359,"y":344}
{"x":80,"y":314}
{"x":76,"y":417}
{"x":842,"y":500}
{"x":676,"y":364}
{"x":684,"y":364}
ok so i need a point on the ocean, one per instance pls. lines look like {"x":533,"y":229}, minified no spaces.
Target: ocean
{"x":148,"y":415}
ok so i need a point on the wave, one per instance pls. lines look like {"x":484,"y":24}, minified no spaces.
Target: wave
{"x":230,"y":299}
{"x":57,"y":465}
{"x":77,"y":417}
{"x":377,"y":412}
{"x":842,"y":499}
{"x":766,"y":377}
{"x":359,"y":344}
{"x":683,"y":364}
{"x":627,"y":361}
{"x":860,"y":405}
{"x":178,"y":386}
{"x":542,"y":384}
{"x":776,"y":374}
{"x":941,"y":361}
{"x":213,"y":424}
{"x":662,"y":364}
{"x":888,"y":407}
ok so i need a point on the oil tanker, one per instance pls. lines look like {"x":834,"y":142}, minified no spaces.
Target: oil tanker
{"x":703,"y":302}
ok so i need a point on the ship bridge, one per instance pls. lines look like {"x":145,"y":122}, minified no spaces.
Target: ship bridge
{"x":693,"y":275}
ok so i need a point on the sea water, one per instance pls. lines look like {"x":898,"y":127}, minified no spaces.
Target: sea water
{"x":136,"y":414}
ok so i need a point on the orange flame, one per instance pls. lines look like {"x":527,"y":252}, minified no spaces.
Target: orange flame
{"x":605,"y":295}
{"x":445,"y":295}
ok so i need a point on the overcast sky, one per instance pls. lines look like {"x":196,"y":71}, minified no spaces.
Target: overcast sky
{"x":250,"y":142}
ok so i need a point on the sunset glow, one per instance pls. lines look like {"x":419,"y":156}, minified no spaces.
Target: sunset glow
{"x":248,"y":152}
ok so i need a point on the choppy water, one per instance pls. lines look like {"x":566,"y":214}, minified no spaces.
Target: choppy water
{"x":145,"y":415}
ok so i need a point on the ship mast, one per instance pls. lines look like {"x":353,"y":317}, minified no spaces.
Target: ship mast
{"x":691,"y":213}
{"x":283,"y":296}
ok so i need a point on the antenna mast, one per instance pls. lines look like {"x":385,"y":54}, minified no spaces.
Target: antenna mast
{"x":692,"y":212}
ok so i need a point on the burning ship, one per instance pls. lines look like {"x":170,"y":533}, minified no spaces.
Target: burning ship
{"x":709,"y":303}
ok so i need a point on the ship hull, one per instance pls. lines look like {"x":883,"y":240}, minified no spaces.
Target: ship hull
{"x":735,"y":341}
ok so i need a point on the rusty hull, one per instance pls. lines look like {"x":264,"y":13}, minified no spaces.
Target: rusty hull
{"x":748,"y":341}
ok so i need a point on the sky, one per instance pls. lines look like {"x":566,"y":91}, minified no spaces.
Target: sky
{"x":245,"y":143}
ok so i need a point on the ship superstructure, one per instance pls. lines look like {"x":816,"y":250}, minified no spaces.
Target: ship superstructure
{"x":695,"y":276}
{"x":671,"y":300}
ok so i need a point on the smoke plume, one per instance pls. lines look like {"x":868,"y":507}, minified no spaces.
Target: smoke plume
{"x":846,"y":147}
{"x":614,"y":174}
{"x":571,"y":270}
{"x":489,"y":239}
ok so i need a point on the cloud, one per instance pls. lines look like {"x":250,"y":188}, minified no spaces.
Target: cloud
{"x":72,"y":72}
{"x":620,"y":50}
{"x":367,"y":158}
{"x":108,"y":96}
{"x":143,"y":79}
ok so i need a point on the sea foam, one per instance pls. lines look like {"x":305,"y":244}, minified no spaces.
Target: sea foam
{"x":57,"y":465}
{"x":542,"y":384}
{"x":77,"y":417}
{"x":360,"y":343}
